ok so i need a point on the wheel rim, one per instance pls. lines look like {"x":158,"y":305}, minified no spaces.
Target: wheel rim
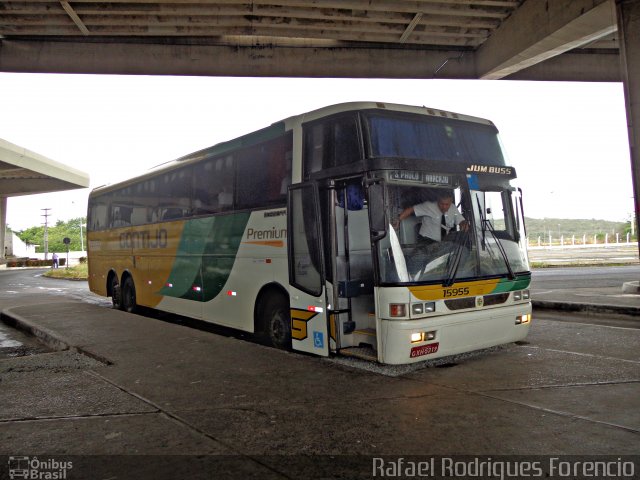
{"x":115,"y":300}
{"x":278,"y":328}
{"x":129,"y":296}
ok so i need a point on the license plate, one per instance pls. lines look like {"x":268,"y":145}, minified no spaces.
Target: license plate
{"x":424,"y":349}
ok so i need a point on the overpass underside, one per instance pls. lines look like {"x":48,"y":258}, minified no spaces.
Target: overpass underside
{"x":532,"y":39}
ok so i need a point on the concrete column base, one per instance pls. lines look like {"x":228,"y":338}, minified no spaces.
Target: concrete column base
{"x":631,"y":287}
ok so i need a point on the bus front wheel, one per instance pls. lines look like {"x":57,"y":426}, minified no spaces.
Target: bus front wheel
{"x":128,"y":295}
{"x":278,"y":321}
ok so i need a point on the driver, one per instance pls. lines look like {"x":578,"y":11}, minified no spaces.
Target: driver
{"x":438,"y":218}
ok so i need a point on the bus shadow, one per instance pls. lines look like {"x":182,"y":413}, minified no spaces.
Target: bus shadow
{"x":260,"y":339}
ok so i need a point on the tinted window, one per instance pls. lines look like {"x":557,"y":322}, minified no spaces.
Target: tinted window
{"x":213,"y":187}
{"x":433,"y":138}
{"x":331,"y":143}
{"x":144,"y":202}
{"x":98,"y":215}
{"x":120,"y":212}
{"x":263,"y":173}
{"x":173,"y":191}
{"x":304,"y":243}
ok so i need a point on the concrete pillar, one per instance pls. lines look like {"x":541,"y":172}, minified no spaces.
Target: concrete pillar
{"x":629,"y":37}
{"x":629,"y":34}
{"x":3,"y":224}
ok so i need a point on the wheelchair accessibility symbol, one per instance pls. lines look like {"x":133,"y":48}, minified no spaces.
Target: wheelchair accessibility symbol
{"x":318,"y":339}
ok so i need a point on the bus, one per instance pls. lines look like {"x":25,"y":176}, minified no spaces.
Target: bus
{"x":292,"y":233}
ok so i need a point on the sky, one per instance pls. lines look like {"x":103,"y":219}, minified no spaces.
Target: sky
{"x":567,"y":141}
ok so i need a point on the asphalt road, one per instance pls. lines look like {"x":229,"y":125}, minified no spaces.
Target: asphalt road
{"x":20,"y":286}
{"x":583,"y":277}
{"x":16,"y":283}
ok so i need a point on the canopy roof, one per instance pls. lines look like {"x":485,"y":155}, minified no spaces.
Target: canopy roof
{"x":23,"y":172}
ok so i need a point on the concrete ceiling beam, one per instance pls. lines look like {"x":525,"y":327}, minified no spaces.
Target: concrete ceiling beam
{"x":232,"y":60}
{"x":74,"y":16}
{"x":541,"y":30}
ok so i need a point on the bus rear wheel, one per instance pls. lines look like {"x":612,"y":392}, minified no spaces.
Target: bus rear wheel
{"x":116,"y":293}
{"x":128,"y":295}
{"x":278,"y":321}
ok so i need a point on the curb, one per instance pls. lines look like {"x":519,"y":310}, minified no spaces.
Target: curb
{"x":47,"y":337}
{"x":585,"y":307}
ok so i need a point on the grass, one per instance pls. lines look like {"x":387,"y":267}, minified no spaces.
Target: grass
{"x":77,"y":272}
{"x":578,"y":264}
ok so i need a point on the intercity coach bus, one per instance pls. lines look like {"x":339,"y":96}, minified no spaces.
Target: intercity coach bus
{"x":292,"y":232}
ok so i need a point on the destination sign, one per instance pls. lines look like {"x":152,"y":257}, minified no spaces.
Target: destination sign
{"x":424,"y":178}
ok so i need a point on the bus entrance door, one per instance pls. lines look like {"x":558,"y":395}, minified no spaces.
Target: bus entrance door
{"x":307,"y":290}
{"x":354,"y":310}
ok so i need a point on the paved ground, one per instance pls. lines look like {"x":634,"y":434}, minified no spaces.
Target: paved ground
{"x":586,"y":289}
{"x":129,"y":396}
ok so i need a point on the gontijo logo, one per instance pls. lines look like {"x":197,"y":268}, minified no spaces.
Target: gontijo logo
{"x":157,"y":238}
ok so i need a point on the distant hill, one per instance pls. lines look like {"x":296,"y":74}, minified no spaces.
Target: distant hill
{"x":569,"y":226}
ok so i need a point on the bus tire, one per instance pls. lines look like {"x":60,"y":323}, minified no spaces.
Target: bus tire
{"x":116,"y":293}
{"x":277,"y":319}
{"x":128,"y":295}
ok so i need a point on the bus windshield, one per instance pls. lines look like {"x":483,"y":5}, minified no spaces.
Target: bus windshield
{"x":452,"y":233}
{"x":435,"y":138}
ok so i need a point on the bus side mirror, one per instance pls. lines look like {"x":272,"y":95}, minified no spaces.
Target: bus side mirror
{"x":377,"y":216}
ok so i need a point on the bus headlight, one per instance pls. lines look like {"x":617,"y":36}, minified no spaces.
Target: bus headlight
{"x":418,"y":337}
{"x":397,"y":310}
{"x":520,"y":319}
{"x":420,"y":308}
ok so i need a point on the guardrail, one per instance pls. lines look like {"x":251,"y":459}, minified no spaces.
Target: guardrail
{"x":595,"y":240}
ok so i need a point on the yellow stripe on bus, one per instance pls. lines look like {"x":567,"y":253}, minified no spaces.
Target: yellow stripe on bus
{"x":268,"y":243}
{"x":153,"y":261}
{"x":462,"y":289}
{"x":299,"y":319}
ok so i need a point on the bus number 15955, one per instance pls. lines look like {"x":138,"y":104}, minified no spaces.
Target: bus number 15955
{"x":455,"y":292}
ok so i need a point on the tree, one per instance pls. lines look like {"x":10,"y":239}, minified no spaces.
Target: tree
{"x":57,"y":232}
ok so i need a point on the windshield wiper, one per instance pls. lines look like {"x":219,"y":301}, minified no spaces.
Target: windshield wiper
{"x":453,"y":262}
{"x":486,"y":225}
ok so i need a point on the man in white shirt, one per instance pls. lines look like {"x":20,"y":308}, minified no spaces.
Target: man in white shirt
{"x":438,"y":218}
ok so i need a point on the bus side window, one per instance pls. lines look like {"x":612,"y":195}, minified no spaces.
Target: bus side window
{"x":120,"y":216}
{"x":204,"y":201}
{"x":261,"y":172}
{"x":98,"y":213}
{"x":331,"y":143}
{"x":345,"y":142}
{"x":176,"y":190}
{"x":213,"y":185}
{"x":313,"y":148}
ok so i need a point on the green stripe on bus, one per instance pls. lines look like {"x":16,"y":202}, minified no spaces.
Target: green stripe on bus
{"x":205,"y":256}
{"x":505,"y":285}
